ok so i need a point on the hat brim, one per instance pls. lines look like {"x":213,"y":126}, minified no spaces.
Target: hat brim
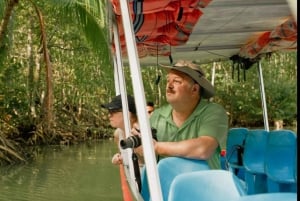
{"x":208,"y":89}
{"x":116,"y":104}
{"x":110,"y":106}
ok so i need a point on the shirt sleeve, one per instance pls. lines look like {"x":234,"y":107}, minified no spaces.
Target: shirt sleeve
{"x":214,"y":123}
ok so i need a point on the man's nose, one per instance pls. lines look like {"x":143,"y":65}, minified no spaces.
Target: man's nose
{"x":169,"y":85}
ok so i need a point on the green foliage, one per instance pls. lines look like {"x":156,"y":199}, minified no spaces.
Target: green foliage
{"x":81,"y":65}
{"x":281,"y":86}
{"x":242,"y":99}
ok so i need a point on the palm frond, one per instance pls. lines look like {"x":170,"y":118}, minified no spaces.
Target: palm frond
{"x":91,"y":18}
{"x":3,"y":4}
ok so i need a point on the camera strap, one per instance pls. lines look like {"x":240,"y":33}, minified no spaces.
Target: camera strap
{"x":136,"y":168}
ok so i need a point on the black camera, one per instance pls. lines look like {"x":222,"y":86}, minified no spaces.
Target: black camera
{"x":135,"y":140}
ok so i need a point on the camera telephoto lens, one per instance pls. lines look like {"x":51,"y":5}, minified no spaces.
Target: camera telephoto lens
{"x":135,"y":141}
{"x":131,"y":142}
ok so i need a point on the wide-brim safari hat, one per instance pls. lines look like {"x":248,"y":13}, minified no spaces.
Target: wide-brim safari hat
{"x":196,"y":73}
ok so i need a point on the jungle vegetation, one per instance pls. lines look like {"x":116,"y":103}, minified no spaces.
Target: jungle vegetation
{"x":56,"y":71}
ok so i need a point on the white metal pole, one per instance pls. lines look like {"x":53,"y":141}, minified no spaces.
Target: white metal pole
{"x":263,"y":96}
{"x":139,"y":95}
{"x":213,"y":74}
{"x":116,"y":78}
{"x":119,"y":76}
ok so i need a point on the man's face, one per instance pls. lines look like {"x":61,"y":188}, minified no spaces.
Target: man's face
{"x":149,"y":109}
{"x":116,"y":118}
{"x":179,"y":87}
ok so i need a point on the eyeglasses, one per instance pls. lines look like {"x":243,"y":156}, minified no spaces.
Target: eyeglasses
{"x":114,"y":111}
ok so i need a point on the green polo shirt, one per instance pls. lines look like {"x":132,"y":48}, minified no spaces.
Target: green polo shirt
{"x":208,"y":119}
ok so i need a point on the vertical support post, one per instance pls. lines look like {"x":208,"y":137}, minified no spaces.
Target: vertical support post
{"x":263,"y":96}
{"x":213,"y":74}
{"x":139,"y":95}
{"x":119,"y":79}
{"x":120,"y":84}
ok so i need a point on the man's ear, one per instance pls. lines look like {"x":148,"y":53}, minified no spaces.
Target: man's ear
{"x":196,"y":88}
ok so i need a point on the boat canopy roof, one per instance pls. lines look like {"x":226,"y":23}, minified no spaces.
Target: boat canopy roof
{"x":204,"y":31}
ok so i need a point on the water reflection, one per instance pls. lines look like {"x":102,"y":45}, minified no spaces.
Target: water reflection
{"x":64,"y":173}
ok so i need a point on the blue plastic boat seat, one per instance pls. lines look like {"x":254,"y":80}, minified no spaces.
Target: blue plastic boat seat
{"x":168,"y":169}
{"x":254,"y":161}
{"x":296,"y":164}
{"x":207,"y":185}
{"x":269,"y":197}
{"x":235,"y":140}
{"x":256,"y":183}
{"x":280,"y":161}
{"x":281,"y":187}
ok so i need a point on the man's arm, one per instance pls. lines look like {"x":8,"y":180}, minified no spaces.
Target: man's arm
{"x":198,"y":148}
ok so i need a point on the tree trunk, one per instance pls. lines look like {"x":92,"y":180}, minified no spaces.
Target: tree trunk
{"x":4,"y":23}
{"x":48,"y":102}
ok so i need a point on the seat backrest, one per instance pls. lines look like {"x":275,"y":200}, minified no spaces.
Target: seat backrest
{"x":254,"y":151}
{"x":168,"y":169}
{"x":206,"y":185}
{"x":235,"y":140}
{"x":281,"y":156}
{"x":234,"y":151}
{"x":280,"y":161}
{"x":296,"y":161}
{"x":254,"y":161}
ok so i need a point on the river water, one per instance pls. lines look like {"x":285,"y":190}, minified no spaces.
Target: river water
{"x":64,"y":173}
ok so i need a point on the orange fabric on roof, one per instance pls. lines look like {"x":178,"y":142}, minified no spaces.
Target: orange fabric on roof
{"x":152,"y":20}
{"x":164,"y":22}
{"x":166,"y":30}
{"x":152,"y":6}
{"x":283,"y":37}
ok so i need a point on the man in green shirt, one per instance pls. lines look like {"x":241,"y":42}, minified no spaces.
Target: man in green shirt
{"x":190,"y":126}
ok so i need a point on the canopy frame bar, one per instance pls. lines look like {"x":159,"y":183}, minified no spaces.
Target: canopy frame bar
{"x":263,"y":96}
